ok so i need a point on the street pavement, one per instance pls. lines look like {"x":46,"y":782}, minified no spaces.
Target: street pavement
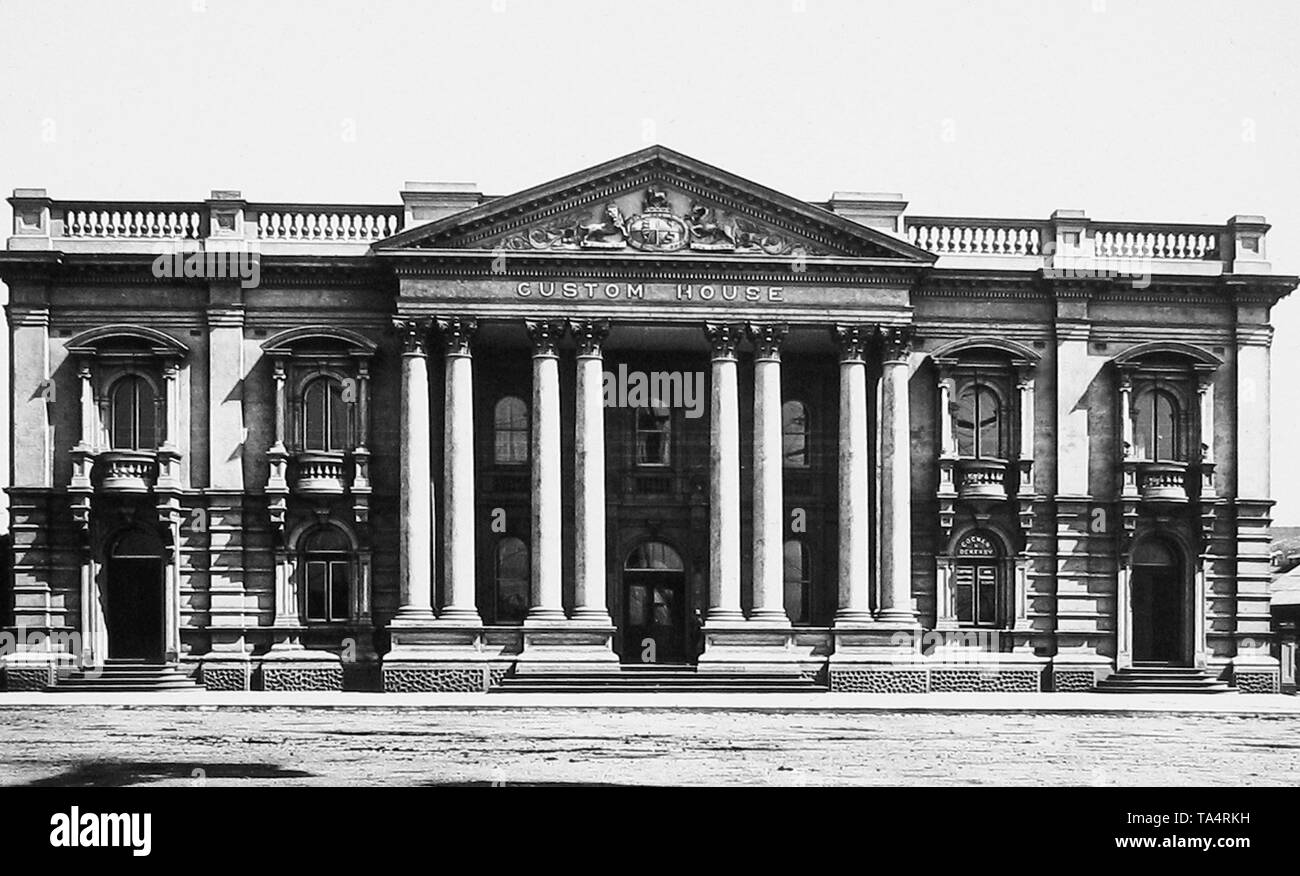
{"x":821,"y":739}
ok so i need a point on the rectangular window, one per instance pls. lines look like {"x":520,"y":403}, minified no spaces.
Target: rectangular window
{"x":976,"y":592}
{"x":317,"y":578}
{"x":653,"y":436}
{"x":327,"y":590}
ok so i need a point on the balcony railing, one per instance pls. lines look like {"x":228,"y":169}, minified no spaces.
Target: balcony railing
{"x":982,"y":479}
{"x":126,"y":471}
{"x":320,"y":474}
{"x":1159,"y":482}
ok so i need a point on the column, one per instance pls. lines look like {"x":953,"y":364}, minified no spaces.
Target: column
{"x":589,"y":471}
{"x":458,"y":455}
{"x":415,"y":533}
{"x":769,"y":511}
{"x":1025,"y":389}
{"x":89,"y":416}
{"x":947,"y":437}
{"x":547,"y":509}
{"x":896,"y":478}
{"x":282,"y":405}
{"x":855,"y":514}
{"x":1126,"y":412}
{"x":724,"y":476}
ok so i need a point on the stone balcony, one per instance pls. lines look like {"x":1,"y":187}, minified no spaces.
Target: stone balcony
{"x":320,"y":474}
{"x":982,"y":479}
{"x":1167,"y":482}
{"x":126,"y":471}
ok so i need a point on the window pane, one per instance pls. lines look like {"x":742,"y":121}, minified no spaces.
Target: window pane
{"x":339,"y":438}
{"x":964,"y":590}
{"x":510,"y":430}
{"x":988,"y":594}
{"x":964,"y":423}
{"x":637,"y":606}
{"x":989,"y":412}
{"x":653,"y":436}
{"x":146,"y":418}
{"x":316,"y":574}
{"x":794,"y":427}
{"x":796,"y":582}
{"x":338,"y":590}
{"x":1166,"y":427}
{"x":122,"y":422}
{"x":314,"y":412}
{"x":512,"y":580}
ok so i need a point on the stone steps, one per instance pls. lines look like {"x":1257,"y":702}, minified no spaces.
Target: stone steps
{"x":1157,"y":678}
{"x":122,"y":676}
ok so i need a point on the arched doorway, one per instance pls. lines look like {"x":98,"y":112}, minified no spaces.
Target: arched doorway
{"x":133,"y":604}
{"x":1158,"y":600}
{"x":654,"y":605}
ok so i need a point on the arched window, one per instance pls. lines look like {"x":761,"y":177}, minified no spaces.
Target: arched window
{"x":794,"y":434}
{"x":653,"y":556}
{"x":511,"y":576}
{"x":327,"y":574}
{"x":978,"y":424}
{"x":510,"y":430}
{"x":654,"y":436}
{"x":977,"y":581}
{"x":325,"y":416}
{"x":798,"y":582}
{"x":1156,"y":426}
{"x":133,"y":415}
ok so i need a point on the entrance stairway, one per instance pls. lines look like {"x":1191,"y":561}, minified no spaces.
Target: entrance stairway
{"x":657,"y":678}
{"x":1155,"y":678}
{"x":125,"y":676}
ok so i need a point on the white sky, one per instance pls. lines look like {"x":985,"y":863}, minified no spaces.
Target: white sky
{"x":1177,"y":111}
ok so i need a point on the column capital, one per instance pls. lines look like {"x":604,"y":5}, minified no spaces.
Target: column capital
{"x":896,"y":342}
{"x":457,"y":334}
{"x":852,"y":341}
{"x":545,"y":336}
{"x":768,"y":338}
{"x":590,"y":336}
{"x":414,"y":334}
{"x":724,"y":337}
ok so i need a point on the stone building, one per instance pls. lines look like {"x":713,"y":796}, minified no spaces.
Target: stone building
{"x":650,"y":412}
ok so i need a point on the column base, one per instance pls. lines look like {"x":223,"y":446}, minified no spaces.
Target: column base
{"x":566,"y":646}
{"x":754,"y":646}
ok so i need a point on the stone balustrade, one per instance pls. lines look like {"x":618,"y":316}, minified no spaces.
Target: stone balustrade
{"x":321,"y":474}
{"x":1015,"y":237}
{"x":164,"y":221}
{"x":1145,"y":241}
{"x":1067,"y":240}
{"x":127,"y":471}
{"x":307,"y":223}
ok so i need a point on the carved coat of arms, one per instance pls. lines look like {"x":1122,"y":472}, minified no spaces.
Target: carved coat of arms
{"x":657,"y":228}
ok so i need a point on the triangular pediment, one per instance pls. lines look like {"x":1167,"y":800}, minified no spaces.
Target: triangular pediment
{"x":655,"y":202}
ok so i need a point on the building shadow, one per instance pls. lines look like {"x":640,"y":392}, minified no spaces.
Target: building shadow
{"x":114,"y":773}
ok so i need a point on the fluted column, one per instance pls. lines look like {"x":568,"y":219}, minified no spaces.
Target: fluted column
{"x":458,"y":454}
{"x":769,"y":577}
{"x":724,"y":476}
{"x":415,"y":523}
{"x":855,"y":515}
{"x":896,"y":479}
{"x":589,"y":471}
{"x":547,"y":509}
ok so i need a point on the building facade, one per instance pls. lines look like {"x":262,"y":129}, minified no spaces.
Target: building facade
{"x":650,"y":412}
